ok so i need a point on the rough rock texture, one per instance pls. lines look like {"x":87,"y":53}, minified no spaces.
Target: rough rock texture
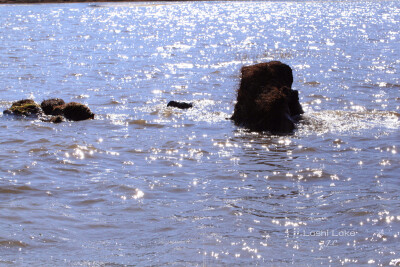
{"x":181,"y":105}
{"x":52,"y":106}
{"x":25,"y":107}
{"x":265,"y":100}
{"x":76,"y":112}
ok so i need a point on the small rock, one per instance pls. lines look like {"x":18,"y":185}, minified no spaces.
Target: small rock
{"x":56,"y":119}
{"x":181,"y":105}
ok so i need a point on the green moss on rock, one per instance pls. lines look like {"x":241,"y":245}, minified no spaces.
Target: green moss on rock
{"x":25,"y":107}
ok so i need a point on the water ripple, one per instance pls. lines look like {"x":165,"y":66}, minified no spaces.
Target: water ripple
{"x":147,"y":183}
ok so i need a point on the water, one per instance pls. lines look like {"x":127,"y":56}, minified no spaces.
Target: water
{"x":147,"y":185}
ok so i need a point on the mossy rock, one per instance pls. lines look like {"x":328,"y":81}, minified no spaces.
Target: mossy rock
{"x":55,"y":110}
{"x":25,"y":107}
{"x":77,"y":112}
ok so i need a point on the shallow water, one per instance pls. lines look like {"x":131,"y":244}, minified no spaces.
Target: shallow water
{"x":144,"y":184}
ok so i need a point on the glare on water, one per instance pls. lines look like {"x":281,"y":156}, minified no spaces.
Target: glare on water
{"x":150,"y":184}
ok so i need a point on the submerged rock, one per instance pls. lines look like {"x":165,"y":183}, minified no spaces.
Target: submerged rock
{"x":181,"y":105}
{"x":54,"y":106}
{"x":25,"y":107}
{"x":53,"y":119}
{"x":265,"y":100}
{"x":56,"y":119}
{"x":77,"y":112}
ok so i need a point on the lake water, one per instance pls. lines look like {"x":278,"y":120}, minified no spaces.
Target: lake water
{"x":147,"y":185}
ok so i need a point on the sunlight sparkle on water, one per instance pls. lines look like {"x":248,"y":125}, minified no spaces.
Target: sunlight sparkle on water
{"x":191,"y":185}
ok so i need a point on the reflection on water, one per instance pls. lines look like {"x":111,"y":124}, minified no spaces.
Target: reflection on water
{"x":148,"y":183}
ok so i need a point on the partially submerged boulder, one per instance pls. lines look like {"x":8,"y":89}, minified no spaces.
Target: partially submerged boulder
{"x":265,"y":100}
{"x":77,"y":112}
{"x":53,"y":106}
{"x":25,"y":107}
{"x":181,"y":105}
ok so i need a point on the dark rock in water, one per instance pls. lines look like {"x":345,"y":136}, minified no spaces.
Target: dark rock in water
{"x":49,"y":106}
{"x":53,"y":119}
{"x":25,"y":107}
{"x":265,"y":100}
{"x":54,"y":110}
{"x":181,"y":105}
{"x":77,"y":112}
{"x":58,"y":110}
{"x":56,"y":119}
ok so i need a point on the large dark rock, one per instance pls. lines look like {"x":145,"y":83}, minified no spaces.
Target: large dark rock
{"x":53,"y":106}
{"x":265,"y":100}
{"x":77,"y":112}
{"x":25,"y":107}
{"x":181,"y":105}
